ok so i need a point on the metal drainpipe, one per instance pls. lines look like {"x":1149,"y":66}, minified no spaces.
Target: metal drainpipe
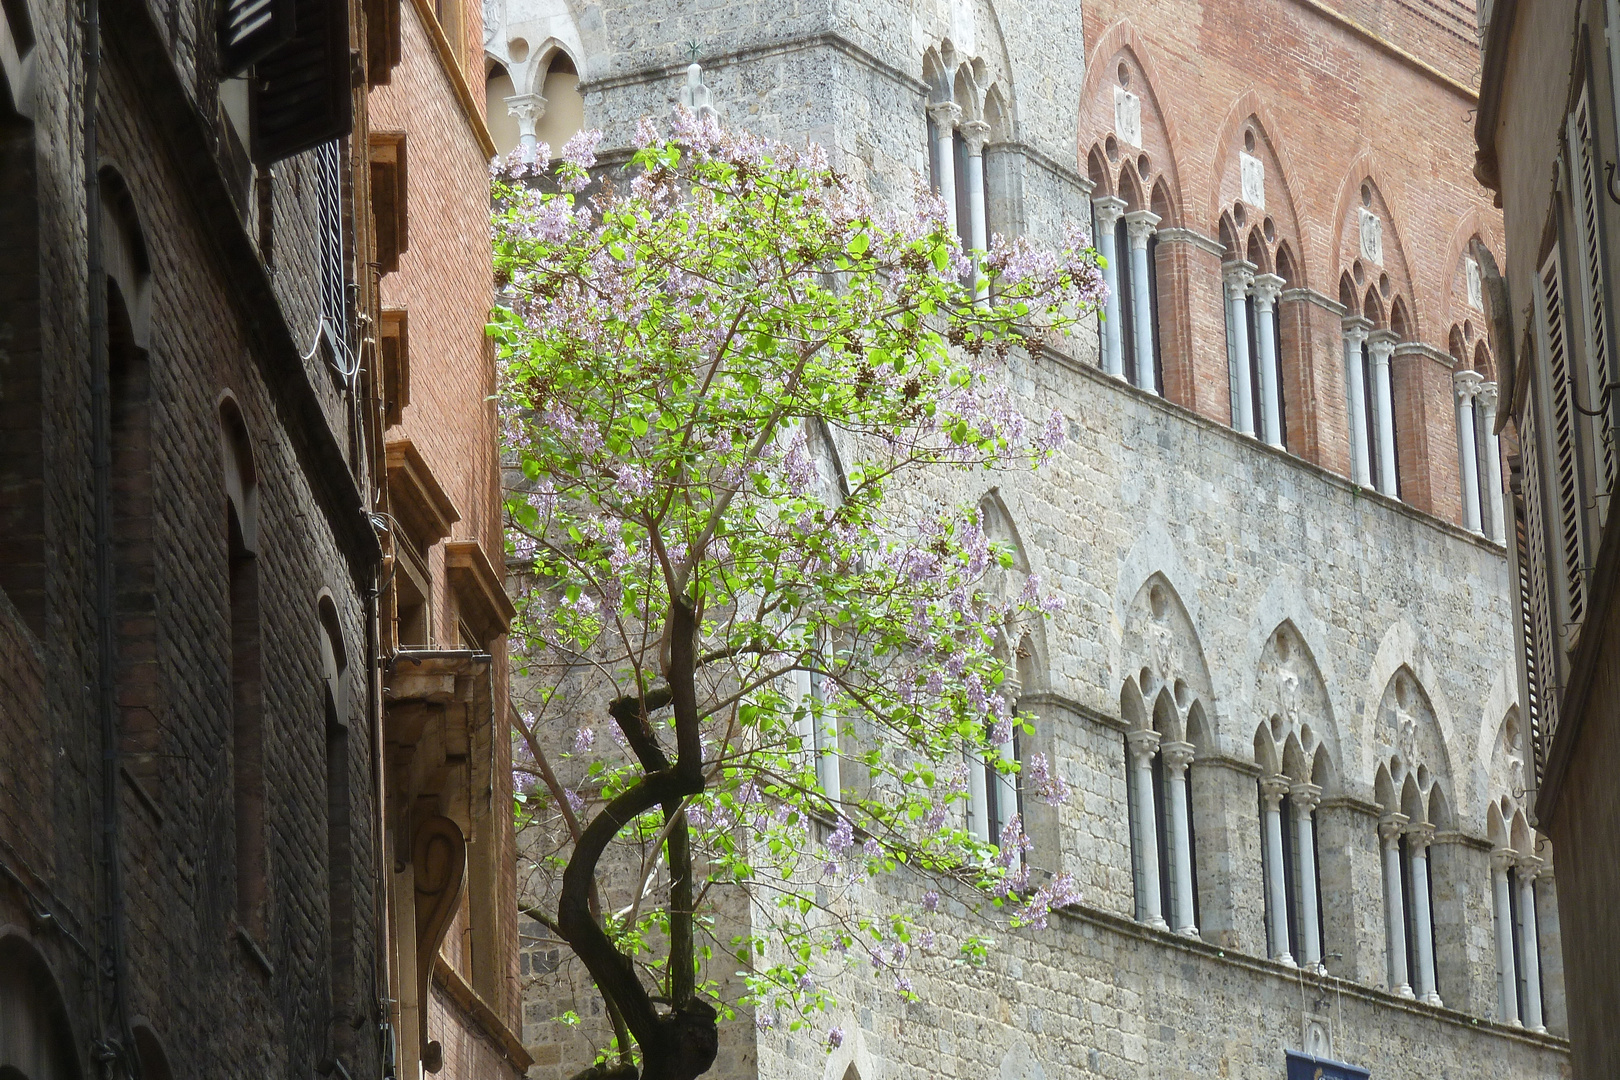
{"x":114,"y":1043}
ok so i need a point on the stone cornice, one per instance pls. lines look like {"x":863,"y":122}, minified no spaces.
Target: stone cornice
{"x":1193,"y":237}
{"x":1071,"y":706}
{"x":1428,"y":352}
{"x":1350,"y":802}
{"x":1311,"y":296}
{"x":827,"y":40}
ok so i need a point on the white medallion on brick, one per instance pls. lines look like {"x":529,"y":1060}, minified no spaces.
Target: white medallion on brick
{"x":1127,"y":116}
{"x":1372,"y":237}
{"x":1254,"y":180}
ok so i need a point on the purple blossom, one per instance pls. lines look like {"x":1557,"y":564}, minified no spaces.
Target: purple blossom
{"x":872,"y":849}
{"x":1044,"y":781}
{"x":835,"y":1038}
{"x":1053,"y":435}
{"x":930,"y":901}
{"x":902,"y":984}
{"x":925,"y":940}
{"x":575,"y":802}
{"x":580,"y":151}
{"x":842,"y":838}
{"x":764,"y":1020}
{"x":584,"y":739}
{"x":1060,"y":892}
{"x":807,"y":985}
{"x":646,"y":133}
{"x":802,"y":474}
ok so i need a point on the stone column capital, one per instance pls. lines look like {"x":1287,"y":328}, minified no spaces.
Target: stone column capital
{"x":1420,"y":834}
{"x":1273,"y":788}
{"x":1178,"y":755}
{"x":975,"y":133}
{"x":1382,"y":345}
{"x":1110,"y":208}
{"x":1503,"y":858}
{"x":1488,"y":397}
{"x":1139,"y":225}
{"x":1305,"y":796}
{"x":1267,"y":287}
{"x":1528,"y":866}
{"x":1390,"y":828}
{"x":1238,"y":275}
{"x":526,"y":107}
{"x":1465,"y":384}
{"x":946,"y":114}
{"x":1144,"y":742}
{"x":1357,"y":328}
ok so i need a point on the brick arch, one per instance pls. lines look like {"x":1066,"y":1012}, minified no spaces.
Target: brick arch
{"x":1475,"y":223}
{"x":1365,"y":168}
{"x":1247,"y":107}
{"x":1121,"y":41}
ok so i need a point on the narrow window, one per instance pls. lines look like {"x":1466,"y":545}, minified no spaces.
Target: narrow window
{"x":22,"y":492}
{"x":339,"y":810}
{"x":247,"y":695}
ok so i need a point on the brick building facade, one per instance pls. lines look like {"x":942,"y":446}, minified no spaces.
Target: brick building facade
{"x":1278,"y":529}
{"x":206,"y":812}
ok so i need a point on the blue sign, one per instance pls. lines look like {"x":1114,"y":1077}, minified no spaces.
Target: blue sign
{"x":1305,"y":1067}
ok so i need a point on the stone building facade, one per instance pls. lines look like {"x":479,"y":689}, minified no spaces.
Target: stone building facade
{"x":1282,"y":682}
{"x":1548,"y":108}
{"x":206,"y":813}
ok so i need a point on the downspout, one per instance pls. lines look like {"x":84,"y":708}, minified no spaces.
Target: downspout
{"x":114,"y":1042}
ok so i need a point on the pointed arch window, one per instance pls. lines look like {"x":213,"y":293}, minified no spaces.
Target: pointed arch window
{"x":1163,"y":841}
{"x":247,"y":692}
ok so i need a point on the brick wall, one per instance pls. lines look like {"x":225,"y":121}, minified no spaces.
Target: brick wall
{"x":214,"y":1003}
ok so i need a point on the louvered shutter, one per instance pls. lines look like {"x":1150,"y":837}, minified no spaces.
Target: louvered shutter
{"x":1535,"y":613}
{"x":1562,"y":445}
{"x":1588,"y":199}
{"x":301,"y":90}
{"x":250,"y":28}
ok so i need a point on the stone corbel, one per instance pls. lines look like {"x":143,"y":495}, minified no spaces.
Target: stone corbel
{"x":439,"y":858}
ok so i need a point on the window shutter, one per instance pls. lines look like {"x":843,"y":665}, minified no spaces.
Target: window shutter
{"x":250,"y":28}
{"x":1535,"y":598}
{"x":1561,"y":442}
{"x":301,"y":89}
{"x":1588,"y":200}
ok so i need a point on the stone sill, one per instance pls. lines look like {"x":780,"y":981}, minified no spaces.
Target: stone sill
{"x":1333,"y":479}
{"x":1119,"y":924}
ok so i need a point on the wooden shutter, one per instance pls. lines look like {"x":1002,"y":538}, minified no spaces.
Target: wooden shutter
{"x":1562,"y":444}
{"x":248,"y":29}
{"x":1535,"y":601}
{"x":1588,"y":206}
{"x":301,"y":89}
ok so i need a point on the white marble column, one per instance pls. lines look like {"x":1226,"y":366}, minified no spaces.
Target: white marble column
{"x":1237,"y":277}
{"x":528,"y":108}
{"x":975,"y":133}
{"x":1525,"y":871}
{"x":1491,"y":498}
{"x":1465,"y":386}
{"x":978,"y":799}
{"x":1390,"y":827}
{"x":1418,"y":839}
{"x":1507,"y":966}
{"x":1267,"y":287}
{"x":1355,"y":336}
{"x":1177,"y":756}
{"x":1272,"y":790}
{"x":1304,"y":798}
{"x":1139,"y":226}
{"x":1108,"y":211}
{"x":1143,"y":745}
{"x":946,"y":115}
{"x":1382,"y":345}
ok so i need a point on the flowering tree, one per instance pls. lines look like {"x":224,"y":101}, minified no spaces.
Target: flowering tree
{"x":682,"y":355}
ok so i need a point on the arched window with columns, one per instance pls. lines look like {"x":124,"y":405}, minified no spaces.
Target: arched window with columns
{"x":963,"y":100}
{"x":1135,"y":192}
{"x":1476,"y":394}
{"x":1385,"y":402}
{"x":1163,"y":706}
{"x":1410,"y":789}
{"x":1295,"y":745}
